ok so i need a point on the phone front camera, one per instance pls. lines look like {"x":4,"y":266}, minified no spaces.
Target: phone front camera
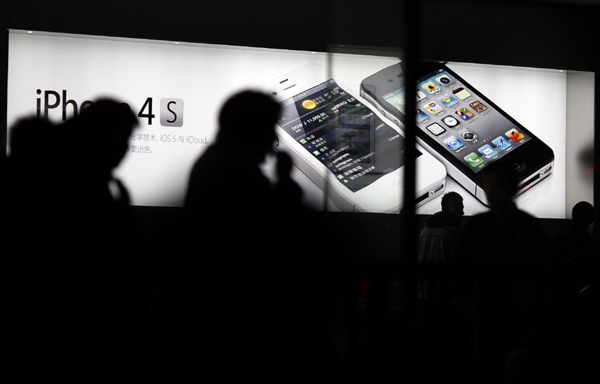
{"x":274,"y":93}
{"x":390,"y":80}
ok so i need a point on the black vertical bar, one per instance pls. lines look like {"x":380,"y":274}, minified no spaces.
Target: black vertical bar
{"x":595,"y":289}
{"x":328,"y":15}
{"x":3,"y":85}
{"x":410,"y":44}
{"x":596,"y":166}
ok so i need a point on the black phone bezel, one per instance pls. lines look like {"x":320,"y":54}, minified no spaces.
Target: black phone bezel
{"x":527,"y":159}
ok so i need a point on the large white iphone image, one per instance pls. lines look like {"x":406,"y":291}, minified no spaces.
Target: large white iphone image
{"x":344,"y":147}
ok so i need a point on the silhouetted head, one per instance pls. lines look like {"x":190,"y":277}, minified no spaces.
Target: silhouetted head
{"x":583,"y":214}
{"x":31,"y":137}
{"x":452,"y":203}
{"x":501,"y":184}
{"x":247,"y":123}
{"x":103,"y":130}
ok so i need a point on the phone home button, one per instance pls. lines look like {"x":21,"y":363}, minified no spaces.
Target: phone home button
{"x":519,"y":167}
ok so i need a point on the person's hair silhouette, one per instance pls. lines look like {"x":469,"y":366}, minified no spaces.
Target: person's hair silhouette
{"x":247,"y":123}
{"x":452,"y":203}
{"x":583,"y":214}
{"x":501,"y":184}
{"x":31,"y":137}
{"x":105,"y":128}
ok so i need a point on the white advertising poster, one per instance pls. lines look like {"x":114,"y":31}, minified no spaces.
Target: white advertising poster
{"x":177,"y":89}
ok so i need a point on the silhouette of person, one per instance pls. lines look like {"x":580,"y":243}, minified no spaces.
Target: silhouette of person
{"x":505,"y":246}
{"x":97,"y":229}
{"x":576,"y":263}
{"x":228,"y":194}
{"x":443,"y":328}
{"x":98,"y":139}
{"x":28,"y":173}
{"x":242,"y":292}
{"x":66,"y":172}
{"x":77,"y":308}
{"x":93,"y":145}
{"x":438,"y":243}
{"x":226,"y":184}
{"x":576,"y":239}
{"x":504,"y":222}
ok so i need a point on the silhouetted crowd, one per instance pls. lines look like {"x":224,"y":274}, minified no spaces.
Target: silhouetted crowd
{"x":267,"y":296}
{"x":84,"y":301}
{"x":501,"y":296}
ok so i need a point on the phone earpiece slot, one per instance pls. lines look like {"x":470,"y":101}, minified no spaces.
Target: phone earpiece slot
{"x":281,"y":82}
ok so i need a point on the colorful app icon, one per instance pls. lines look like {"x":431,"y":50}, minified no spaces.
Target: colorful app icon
{"x":309,"y":104}
{"x":464,"y":114}
{"x":487,"y":151}
{"x":421,"y":116}
{"x":473,"y":159}
{"x":430,"y":87}
{"x":436,"y":129}
{"x":501,"y":143}
{"x":434,"y":108}
{"x":478,"y":106}
{"x":420,"y":95}
{"x":461,"y":93}
{"x":468,"y":135}
{"x":450,"y":121}
{"x":444,"y":80}
{"x":448,"y":100}
{"x":514,"y":135}
{"x":453,"y":143}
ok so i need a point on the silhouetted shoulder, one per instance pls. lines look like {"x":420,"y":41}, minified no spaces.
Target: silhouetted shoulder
{"x":516,"y":238}
{"x":222,"y":180}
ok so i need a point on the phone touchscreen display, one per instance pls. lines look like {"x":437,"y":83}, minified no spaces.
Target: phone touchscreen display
{"x":343,"y":134}
{"x":460,"y":121}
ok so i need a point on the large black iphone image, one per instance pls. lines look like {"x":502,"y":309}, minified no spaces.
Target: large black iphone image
{"x":460,"y":126}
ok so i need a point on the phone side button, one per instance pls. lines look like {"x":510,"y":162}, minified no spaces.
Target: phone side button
{"x":480,"y":194}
